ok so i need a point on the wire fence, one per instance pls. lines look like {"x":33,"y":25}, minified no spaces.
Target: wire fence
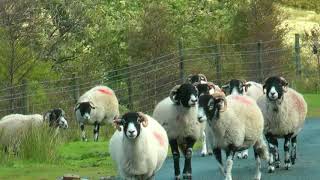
{"x":140,"y":87}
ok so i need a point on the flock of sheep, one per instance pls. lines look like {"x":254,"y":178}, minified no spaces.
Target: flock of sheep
{"x":233,"y":118}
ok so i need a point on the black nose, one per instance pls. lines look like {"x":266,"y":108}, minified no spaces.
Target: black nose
{"x":273,"y":93}
{"x":194,"y":100}
{"x":131,"y":131}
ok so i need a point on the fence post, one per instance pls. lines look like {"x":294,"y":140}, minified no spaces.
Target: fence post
{"x":129,"y":83}
{"x":25,"y":102}
{"x":217,"y":62}
{"x":297,"y":55}
{"x":181,"y":64}
{"x":259,"y":60}
{"x":75,"y":87}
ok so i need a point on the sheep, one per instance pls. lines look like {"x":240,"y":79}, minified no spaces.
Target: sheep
{"x":237,"y":124}
{"x":97,"y":107}
{"x":251,"y":89}
{"x":12,"y":126}
{"x":141,"y":149}
{"x":178,"y":115}
{"x":284,"y":111}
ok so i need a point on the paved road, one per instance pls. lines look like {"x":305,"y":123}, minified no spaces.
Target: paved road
{"x":307,"y":166}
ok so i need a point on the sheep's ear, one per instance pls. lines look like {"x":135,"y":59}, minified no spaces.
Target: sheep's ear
{"x":118,"y":122}
{"x":202,"y":78}
{"x":189,"y":78}
{"x":50,"y":117}
{"x":173,"y":94}
{"x":143,"y":119}
{"x":264,"y":89}
{"x":225,"y":87}
{"x":77,"y":106}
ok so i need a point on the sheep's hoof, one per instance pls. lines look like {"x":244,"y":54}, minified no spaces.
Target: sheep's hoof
{"x":277,"y":164}
{"x":287,"y":166}
{"x":203,"y":154}
{"x":177,"y":177}
{"x":245,"y":156}
{"x":293,"y":161}
{"x":271,"y":169}
{"x":187,"y":176}
{"x":210,"y":153}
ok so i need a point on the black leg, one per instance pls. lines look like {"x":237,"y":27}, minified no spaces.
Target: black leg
{"x":286,"y":147}
{"x":274,"y":159}
{"x":187,"y":170}
{"x":294,"y":150}
{"x":229,"y":163}
{"x":96,"y":130}
{"x":83,"y":133}
{"x":176,"y":156}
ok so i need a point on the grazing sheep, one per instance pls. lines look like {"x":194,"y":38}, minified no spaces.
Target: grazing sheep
{"x":237,"y":124}
{"x":97,"y":107}
{"x":178,"y":115}
{"x":284,"y":111}
{"x":140,"y":150}
{"x":12,"y":126}
{"x":251,"y":89}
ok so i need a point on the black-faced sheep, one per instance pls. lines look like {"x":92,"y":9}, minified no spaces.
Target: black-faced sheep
{"x":178,"y":115}
{"x":237,"y":124}
{"x":140,"y":146}
{"x":12,"y":126}
{"x":97,"y":107}
{"x":284,"y":111}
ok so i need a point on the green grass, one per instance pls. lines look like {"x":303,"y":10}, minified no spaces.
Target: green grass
{"x":313,"y":101}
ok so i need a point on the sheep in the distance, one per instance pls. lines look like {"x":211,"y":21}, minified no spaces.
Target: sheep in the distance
{"x":237,"y":124}
{"x":284,"y":111}
{"x":178,"y":115}
{"x":96,"y":107}
{"x":139,"y":147}
{"x":240,"y":87}
{"x":14,"y":125}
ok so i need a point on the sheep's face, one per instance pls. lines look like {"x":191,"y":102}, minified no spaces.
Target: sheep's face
{"x":56,"y":118}
{"x":187,"y":95}
{"x":275,"y":87}
{"x":209,"y":108}
{"x":236,"y":87}
{"x":197,"y":78}
{"x":131,"y":123}
{"x":203,"y":89}
{"x":84,"y":108}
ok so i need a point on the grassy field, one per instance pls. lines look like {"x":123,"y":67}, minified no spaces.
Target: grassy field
{"x":313,"y":101}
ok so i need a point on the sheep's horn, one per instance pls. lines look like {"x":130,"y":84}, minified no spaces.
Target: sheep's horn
{"x":211,"y":85}
{"x":173,"y":93}
{"x":143,"y":119}
{"x":92,"y":105}
{"x":284,"y":84}
{"x":117,"y":122}
{"x":221,"y":95}
{"x":77,"y":106}
{"x":204,"y":77}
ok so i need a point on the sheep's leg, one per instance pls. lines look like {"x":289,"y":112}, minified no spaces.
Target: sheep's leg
{"x":96,"y":130}
{"x":257,"y":176}
{"x":187,"y":170}
{"x":274,"y":159}
{"x":204,"y":145}
{"x":294,"y":150}
{"x":230,"y":155}
{"x":217,"y":154}
{"x":83,"y":133}
{"x":243,"y":154}
{"x":287,"y":162}
{"x":176,"y":156}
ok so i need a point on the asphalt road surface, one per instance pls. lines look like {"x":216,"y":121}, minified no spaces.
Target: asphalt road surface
{"x":307,"y":165}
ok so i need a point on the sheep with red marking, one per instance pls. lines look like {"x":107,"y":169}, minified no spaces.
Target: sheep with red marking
{"x":178,"y":115}
{"x":139,"y":147}
{"x":284,"y":111}
{"x":249,"y":88}
{"x":237,"y":124}
{"x":97,"y":107}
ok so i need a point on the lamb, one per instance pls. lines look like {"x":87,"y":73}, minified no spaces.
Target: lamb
{"x":178,"y":115}
{"x":237,"y":124}
{"x":284,"y":111}
{"x":141,"y":149}
{"x":251,"y":89}
{"x":12,"y":126}
{"x":97,"y":107}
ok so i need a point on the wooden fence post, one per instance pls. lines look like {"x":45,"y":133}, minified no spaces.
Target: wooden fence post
{"x":75,"y":87}
{"x":181,"y":64}
{"x":259,"y":61}
{"x":297,"y":55}
{"x":25,"y":100}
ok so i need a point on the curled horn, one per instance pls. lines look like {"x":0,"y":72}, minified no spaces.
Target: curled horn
{"x":220,"y":95}
{"x":284,"y":84}
{"x":189,"y":78}
{"x":203,"y":76}
{"x":211,"y":85}
{"x":92,"y":105}
{"x":143,"y":119}
{"x":173,"y":92}
{"x":117,"y":122}
{"x":246,"y":85}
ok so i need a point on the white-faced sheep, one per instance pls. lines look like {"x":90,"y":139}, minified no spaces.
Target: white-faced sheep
{"x":284,"y":111}
{"x":97,"y":107}
{"x":178,"y":115}
{"x":12,"y":126}
{"x":237,"y":124}
{"x":140,"y":146}
{"x":239,"y":87}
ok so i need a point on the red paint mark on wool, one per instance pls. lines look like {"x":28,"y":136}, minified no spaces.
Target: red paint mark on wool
{"x":159,"y":138}
{"x":243,"y":100}
{"x":298,"y":103}
{"x":105,"y":91}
